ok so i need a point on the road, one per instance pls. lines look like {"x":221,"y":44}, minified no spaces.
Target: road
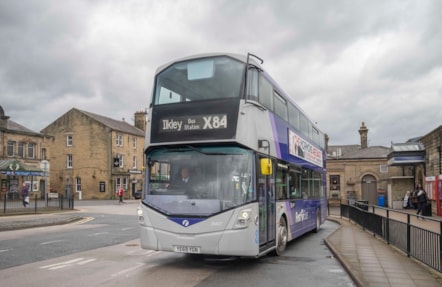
{"x":105,"y":251}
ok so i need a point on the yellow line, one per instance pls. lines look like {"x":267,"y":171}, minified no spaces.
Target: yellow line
{"x":84,"y":220}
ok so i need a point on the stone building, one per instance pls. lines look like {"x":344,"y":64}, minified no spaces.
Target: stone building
{"x":92,"y":155}
{"x":433,"y":167}
{"x":361,"y":172}
{"x":23,"y":158}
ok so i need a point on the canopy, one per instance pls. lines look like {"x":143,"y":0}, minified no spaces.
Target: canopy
{"x":15,"y":167}
{"x":406,"y":154}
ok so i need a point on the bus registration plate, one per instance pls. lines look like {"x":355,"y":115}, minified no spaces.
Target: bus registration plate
{"x":187,"y":249}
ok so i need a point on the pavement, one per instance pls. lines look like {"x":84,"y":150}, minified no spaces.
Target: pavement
{"x":372,"y":262}
{"x":367,"y":259}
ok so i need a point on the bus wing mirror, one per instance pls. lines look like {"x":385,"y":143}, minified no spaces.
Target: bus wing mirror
{"x":266,"y":166}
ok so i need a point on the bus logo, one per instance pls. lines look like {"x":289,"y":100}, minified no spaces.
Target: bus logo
{"x":186,"y":222}
{"x":301,"y":216}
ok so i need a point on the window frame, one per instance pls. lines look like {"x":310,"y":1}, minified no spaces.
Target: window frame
{"x":32,"y":150}
{"x":69,"y":140}
{"x":69,"y":161}
{"x":11,"y":148}
{"x":21,"y":149}
{"x":119,"y":140}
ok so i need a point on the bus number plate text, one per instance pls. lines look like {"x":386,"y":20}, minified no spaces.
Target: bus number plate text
{"x":187,"y":249}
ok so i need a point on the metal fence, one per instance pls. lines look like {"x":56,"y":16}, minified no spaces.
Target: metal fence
{"x":417,"y":236}
{"x":15,"y":205}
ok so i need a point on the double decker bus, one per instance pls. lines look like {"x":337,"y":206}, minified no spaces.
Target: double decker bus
{"x":256,"y":162}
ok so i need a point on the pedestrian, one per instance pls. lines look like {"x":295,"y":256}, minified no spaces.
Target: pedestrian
{"x":414,"y":197}
{"x":407,"y":204}
{"x":421,"y":199}
{"x":24,"y":192}
{"x":120,"y":193}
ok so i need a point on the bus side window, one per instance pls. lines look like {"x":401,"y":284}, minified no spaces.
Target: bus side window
{"x":252,"y":84}
{"x":281,"y":183}
{"x":295,"y":191}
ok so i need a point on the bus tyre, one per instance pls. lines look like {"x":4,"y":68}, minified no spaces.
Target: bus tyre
{"x":318,"y":220}
{"x":281,"y":237}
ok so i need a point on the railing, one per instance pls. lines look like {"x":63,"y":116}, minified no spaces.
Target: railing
{"x":417,"y":236}
{"x":14,"y":205}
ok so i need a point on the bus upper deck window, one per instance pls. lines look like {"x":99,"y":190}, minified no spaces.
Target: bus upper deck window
{"x":200,"y":70}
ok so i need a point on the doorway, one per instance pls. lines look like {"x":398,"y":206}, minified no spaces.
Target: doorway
{"x":369,"y":187}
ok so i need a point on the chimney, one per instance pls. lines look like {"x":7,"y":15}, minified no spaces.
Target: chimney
{"x":363,"y":131}
{"x":140,"y":120}
{"x":3,"y":119}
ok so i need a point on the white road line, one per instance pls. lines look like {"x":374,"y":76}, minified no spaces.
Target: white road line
{"x":127,"y":228}
{"x":99,"y":233}
{"x":138,"y":265}
{"x":143,"y":252}
{"x":86,"y":261}
{"x":5,"y":250}
{"x":50,"y":242}
{"x":62,"y":263}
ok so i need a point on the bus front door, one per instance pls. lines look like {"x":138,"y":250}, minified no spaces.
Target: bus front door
{"x":267,"y":211}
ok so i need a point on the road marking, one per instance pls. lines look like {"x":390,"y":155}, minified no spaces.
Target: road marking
{"x":143,"y":252}
{"x":86,"y":261}
{"x":86,"y":219}
{"x":127,"y":228}
{"x":5,"y":250}
{"x":336,"y":270}
{"x":98,"y":233}
{"x":60,"y":265}
{"x":138,"y":265}
{"x":50,"y":242}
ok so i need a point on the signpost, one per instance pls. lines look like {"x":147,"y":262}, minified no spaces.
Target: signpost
{"x":44,"y":165}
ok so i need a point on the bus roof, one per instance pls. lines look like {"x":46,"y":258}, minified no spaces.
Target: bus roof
{"x":239,"y":57}
{"x":242,"y":58}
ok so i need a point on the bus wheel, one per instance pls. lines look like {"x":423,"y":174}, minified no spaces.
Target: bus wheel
{"x":318,"y":220}
{"x":282,"y":237}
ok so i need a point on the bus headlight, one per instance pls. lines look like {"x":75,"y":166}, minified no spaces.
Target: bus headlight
{"x":244,"y":218}
{"x":140,"y":215}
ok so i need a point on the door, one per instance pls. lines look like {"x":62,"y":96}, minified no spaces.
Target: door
{"x":267,"y":208}
{"x":369,"y":189}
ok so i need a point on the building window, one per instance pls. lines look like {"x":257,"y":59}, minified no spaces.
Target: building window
{"x":134,"y":162}
{"x":134,"y":142}
{"x":69,"y":161}
{"x":31,"y":150}
{"x":21,"y":149}
{"x":69,"y":140}
{"x":119,"y":141}
{"x":125,"y":183}
{"x":11,"y":148}
{"x":335,"y":185}
{"x":43,"y":153}
{"x":78,"y":184}
{"x":119,"y":160}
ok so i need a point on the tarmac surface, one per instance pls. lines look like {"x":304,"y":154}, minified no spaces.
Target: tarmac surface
{"x":367,"y":259}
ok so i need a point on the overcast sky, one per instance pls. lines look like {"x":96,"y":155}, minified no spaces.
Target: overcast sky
{"x":343,"y":62}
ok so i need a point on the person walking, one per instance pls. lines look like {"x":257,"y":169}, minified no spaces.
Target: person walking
{"x":120,"y":193}
{"x":24,"y":192}
{"x":421,"y":199}
{"x":407,"y":203}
